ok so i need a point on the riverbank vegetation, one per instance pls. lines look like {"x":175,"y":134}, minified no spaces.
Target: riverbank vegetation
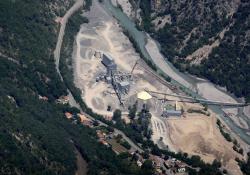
{"x":225,"y":134}
{"x":228,"y":64}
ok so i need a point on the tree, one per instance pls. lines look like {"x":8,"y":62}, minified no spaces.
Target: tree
{"x":145,"y":155}
{"x":185,"y":155}
{"x":117,"y":115}
{"x":147,"y":167}
{"x":241,"y":151}
{"x":132,"y":111}
{"x":216,"y":163}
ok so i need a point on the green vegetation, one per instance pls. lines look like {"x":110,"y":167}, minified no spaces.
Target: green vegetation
{"x":35,"y":136}
{"x":245,"y":166}
{"x":146,"y":14}
{"x":117,"y":115}
{"x":228,"y":64}
{"x":138,"y":129}
{"x":126,"y":145}
{"x":225,"y":134}
{"x":195,"y":161}
{"x":204,"y":112}
{"x":132,"y":111}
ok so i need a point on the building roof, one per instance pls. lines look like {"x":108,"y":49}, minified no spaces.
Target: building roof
{"x":173,"y":112}
{"x":68,"y":115}
{"x":124,"y":83}
{"x":106,"y":60}
{"x":83,"y":118}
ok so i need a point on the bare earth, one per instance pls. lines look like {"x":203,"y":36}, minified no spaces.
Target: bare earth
{"x":198,"y":135}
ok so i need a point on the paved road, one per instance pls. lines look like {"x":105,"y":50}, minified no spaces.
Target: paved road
{"x":78,"y":4}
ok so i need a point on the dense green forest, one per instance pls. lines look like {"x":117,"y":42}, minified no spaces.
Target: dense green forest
{"x":35,"y":136}
{"x":229,"y":64}
{"x":194,"y":24}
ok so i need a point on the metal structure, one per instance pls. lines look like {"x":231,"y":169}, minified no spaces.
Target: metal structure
{"x":199,"y":100}
{"x":119,"y":80}
{"x":174,"y":113}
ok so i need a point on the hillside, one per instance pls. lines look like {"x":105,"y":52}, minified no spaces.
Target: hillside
{"x":206,"y":38}
{"x":35,"y":136}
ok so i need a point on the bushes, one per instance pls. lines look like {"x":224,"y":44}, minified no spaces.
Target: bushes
{"x":245,"y":165}
{"x":226,"y":135}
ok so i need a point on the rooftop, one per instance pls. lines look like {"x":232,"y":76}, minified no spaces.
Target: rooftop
{"x":124,"y":83}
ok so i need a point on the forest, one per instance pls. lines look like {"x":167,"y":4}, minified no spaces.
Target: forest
{"x":35,"y":136}
{"x":228,"y":64}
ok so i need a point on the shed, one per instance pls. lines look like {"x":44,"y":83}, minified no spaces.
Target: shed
{"x":175,"y":113}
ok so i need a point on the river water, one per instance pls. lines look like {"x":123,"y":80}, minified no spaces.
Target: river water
{"x":140,"y":38}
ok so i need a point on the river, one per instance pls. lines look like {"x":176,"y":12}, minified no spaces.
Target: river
{"x":184,"y":80}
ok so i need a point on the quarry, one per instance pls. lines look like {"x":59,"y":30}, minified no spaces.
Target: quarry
{"x":110,"y":74}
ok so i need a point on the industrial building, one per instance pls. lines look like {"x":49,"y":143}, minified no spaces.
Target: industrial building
{"x":123,"y":87}
{"x":119,"y":80}
{"x":109,"y":63}
{"x":171,"y":113}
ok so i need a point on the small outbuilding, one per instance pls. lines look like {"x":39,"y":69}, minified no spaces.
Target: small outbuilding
{"x":174,"y":113}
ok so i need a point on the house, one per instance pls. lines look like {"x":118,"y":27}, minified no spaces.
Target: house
{"x":155,"y":4}
{"x":63,"y":100}
{"x":181,"y":170}
{"x":100,"y":135}
{"x":68,"y":115}
{"x":104,"y":142}
{"x":174,"y":113}
{"x":43,"y":98}
{"x":85,"y":120}
{"x":139,"y":163}
{"x":181,"y":167}
{"x":156,"y":161}
{"x":108,"y":117}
